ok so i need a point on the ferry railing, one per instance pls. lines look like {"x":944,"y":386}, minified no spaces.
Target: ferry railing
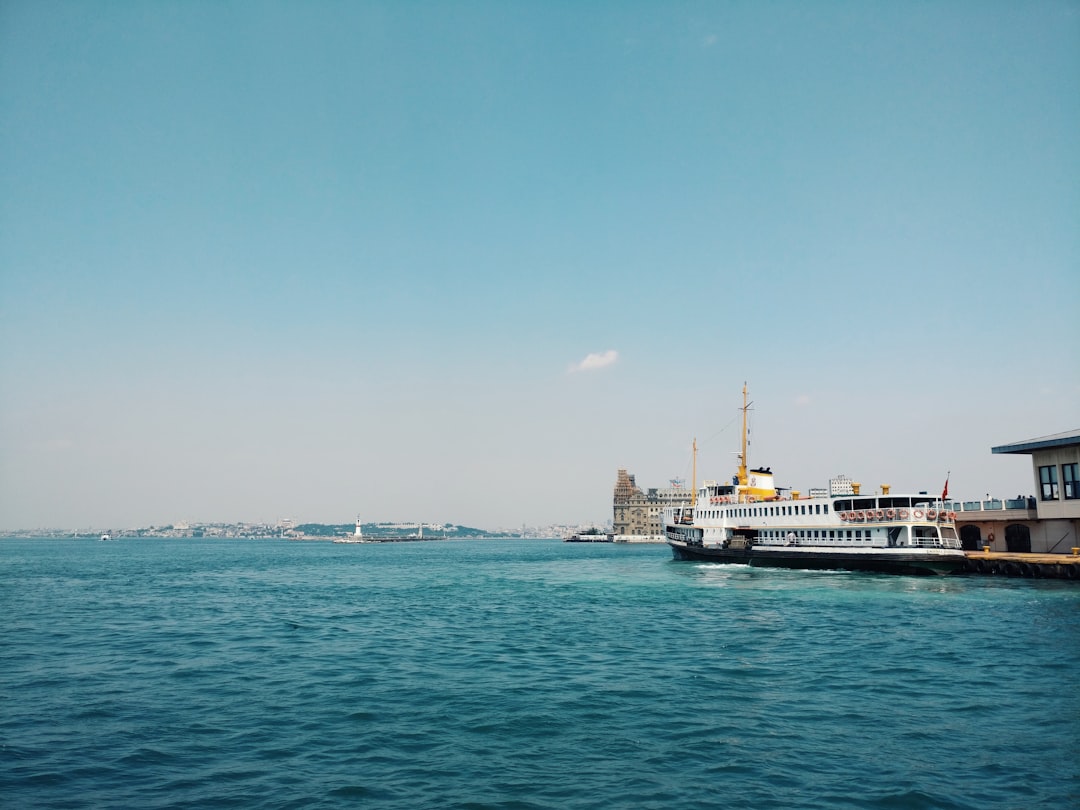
{"x":933,"y":542}
{"x":991,"y":505}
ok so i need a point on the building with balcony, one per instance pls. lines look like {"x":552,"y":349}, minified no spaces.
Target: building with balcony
{"x":638,"y":513}
{"x":1048,"y":522}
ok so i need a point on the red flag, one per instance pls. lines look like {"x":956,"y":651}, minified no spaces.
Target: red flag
{"x":945,"y":492}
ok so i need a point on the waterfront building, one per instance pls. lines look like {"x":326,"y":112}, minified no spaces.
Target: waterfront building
{"x":638,"y":513}
{"x":1048,"y":522}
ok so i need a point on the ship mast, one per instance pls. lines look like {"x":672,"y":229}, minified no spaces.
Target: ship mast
{"x":742,"y":456}
{"x":693,"y":479}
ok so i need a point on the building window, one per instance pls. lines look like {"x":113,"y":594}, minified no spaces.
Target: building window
{"x":1071,"y":480}
{"x":1049,"y":482}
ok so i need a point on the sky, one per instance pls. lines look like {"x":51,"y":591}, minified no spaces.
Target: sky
{"x":462,"y":261}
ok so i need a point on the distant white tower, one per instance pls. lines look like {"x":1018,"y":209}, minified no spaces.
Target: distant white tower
{"x":359,"y":531}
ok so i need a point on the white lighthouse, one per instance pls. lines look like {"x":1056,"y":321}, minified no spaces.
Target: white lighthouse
{"x":359,"y":531}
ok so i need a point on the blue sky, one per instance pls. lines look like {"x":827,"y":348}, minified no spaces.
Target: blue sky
{"x":461,"y":261}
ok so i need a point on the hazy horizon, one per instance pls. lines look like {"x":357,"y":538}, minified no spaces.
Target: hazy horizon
{"x":461,"y":262}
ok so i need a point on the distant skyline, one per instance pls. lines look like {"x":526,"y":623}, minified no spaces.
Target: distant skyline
{"x":462,"y":261}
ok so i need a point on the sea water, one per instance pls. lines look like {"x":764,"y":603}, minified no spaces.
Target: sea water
{"x":522,"y":674}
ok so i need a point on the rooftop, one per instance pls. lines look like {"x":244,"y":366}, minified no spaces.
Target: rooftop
{"x":1067,"y":439}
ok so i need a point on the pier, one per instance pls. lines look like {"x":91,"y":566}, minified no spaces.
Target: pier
{"x":1016,"y":564}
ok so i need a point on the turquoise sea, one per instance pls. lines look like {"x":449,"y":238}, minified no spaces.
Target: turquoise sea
{"x":522,"y":674}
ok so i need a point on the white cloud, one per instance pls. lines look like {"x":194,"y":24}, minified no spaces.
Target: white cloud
{"x":596,"y":360}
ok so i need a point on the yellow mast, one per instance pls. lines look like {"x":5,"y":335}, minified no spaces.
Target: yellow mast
{"x":693,"y":483}
{"x":742,"y":458}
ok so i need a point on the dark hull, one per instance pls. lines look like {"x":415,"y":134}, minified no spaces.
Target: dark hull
{"x":910,"y":562}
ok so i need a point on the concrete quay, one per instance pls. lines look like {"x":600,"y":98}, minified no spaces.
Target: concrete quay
{"x":1016,"y":564}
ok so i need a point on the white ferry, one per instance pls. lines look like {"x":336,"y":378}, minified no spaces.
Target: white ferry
{"x":750,"y":521}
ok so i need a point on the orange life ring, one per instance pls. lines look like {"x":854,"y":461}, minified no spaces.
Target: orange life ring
{"x":931,"y":514}
{"x":952,"y":515}
{"x":903,"y":514}
{"x":890,"y":514}
{"x":880,"y":514}
{"x":917,"y":514}
{"x":990,"y":537}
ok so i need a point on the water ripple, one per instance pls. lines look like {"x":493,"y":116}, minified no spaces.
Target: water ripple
{"x":520,"y":674}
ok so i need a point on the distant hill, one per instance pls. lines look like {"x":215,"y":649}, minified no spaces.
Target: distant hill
{"x":393,"y":530}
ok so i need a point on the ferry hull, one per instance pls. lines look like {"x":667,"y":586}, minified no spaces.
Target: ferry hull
{"x":903,"y":562}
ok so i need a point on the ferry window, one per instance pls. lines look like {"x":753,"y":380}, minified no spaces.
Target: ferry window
{"x":832,"y":534}
{"x":825,"y":509}
{"x":1071,"y":479}
{"x":1049,"y":482}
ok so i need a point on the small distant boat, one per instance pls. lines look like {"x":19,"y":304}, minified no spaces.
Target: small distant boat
{"x":751,"y":522}
{"x":591,"y":536}
{"x":106,"y":536}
